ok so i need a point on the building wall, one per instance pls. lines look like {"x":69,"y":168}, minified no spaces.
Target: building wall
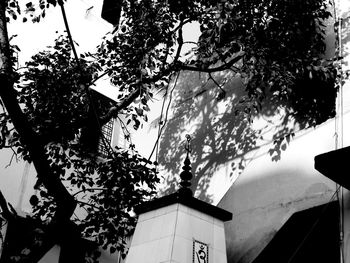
{"x":266,"y":194}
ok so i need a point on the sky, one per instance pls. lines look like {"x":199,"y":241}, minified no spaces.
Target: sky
{"x":85,"y":23}
{"x":87,"y":27}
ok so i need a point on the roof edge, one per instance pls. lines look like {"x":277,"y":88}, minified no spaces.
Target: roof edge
{"x":186,"y":200}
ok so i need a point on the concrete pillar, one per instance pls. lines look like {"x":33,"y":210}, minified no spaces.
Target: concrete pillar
{"x":179,"y":229}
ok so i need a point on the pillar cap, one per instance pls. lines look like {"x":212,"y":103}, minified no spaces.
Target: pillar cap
{"x":189,"y":201}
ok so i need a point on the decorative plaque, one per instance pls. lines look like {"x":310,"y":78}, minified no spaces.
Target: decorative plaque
{"x":200,"y":252}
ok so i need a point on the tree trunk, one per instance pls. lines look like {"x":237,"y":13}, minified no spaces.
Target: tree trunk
{"x":65,"y":202}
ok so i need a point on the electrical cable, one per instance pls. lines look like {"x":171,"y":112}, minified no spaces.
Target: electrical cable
{"x":160,"y":121}
{"x":166,"y":117}
{"x":339,"y":121}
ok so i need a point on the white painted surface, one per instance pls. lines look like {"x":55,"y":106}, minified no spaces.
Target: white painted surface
{"x":167,"y":234}
{"x":267,"y":193}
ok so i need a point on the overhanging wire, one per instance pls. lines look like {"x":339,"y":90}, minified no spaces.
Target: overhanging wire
{"x":162,"y":124}
{"x":339,"y":121}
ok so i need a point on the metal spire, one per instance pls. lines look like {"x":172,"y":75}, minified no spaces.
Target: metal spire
{"x":186,"y":174}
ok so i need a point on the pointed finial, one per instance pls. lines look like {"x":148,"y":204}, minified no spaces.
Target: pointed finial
{"x":186,"y":174}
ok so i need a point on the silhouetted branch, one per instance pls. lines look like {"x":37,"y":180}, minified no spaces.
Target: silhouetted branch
{"x":14,"y":154}
{"x":88,"y":204}
{"x":89,"y":190}
{"x":35,"y":146}
{"x":6,"y":213}
{"x":113,"y":111}
{"x":224,"y":66}
{"x":217,"y":84}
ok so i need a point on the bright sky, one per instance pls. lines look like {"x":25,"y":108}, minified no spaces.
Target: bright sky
{"x":87,"y":28}
{"x":85,"y":23}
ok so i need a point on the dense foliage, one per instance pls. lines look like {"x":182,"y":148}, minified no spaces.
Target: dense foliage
{"x":276,"y":48}
{"x":52,"y":92}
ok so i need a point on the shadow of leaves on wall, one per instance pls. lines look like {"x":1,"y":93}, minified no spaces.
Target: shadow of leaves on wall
{"x":223,"y":130}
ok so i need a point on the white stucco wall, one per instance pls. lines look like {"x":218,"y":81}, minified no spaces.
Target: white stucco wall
{"x":267,"y":193}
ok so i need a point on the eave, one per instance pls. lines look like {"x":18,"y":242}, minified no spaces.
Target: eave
{"x":111,"y":11}
{"x":334,"y":165}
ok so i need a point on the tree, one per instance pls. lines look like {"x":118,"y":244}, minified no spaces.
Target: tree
{"x":275,"y":47}
{"x":49,"y":107}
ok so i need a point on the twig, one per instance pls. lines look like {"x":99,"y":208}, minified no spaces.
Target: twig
{"x":76,"y":216}
{"x":90,"y":189}
{"x":100,"y":76}
{"x":14,"y":154}
{"x":224,"y":66}
{"x":182,"y":23}
{"x":216,"y":83}
{"x":69,"y":34}
{"x":5,"y":209}
{"x":84,"y":203}
{"x":113,"y":111}
{"x":125,"y":130}
{"x":180,"y":42}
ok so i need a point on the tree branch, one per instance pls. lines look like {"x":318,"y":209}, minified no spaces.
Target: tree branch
{"x":113,"y":111}
{"x":173,"y":67}
{"x":90,"y":190}
{"x":217,"y":84}
{"x":66,"y":203}
{"x":4,"y":207}
{"x":180,"y":42}
{"x":69,"y":34}
{"x":84,"y":203}
{"x":176,"y":65}
{"x":224,"y":66}
{"x":14,"y":154}
{"x":100,"y":76}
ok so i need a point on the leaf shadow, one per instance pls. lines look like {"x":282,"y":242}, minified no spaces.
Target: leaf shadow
{"x":220,"y":127}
